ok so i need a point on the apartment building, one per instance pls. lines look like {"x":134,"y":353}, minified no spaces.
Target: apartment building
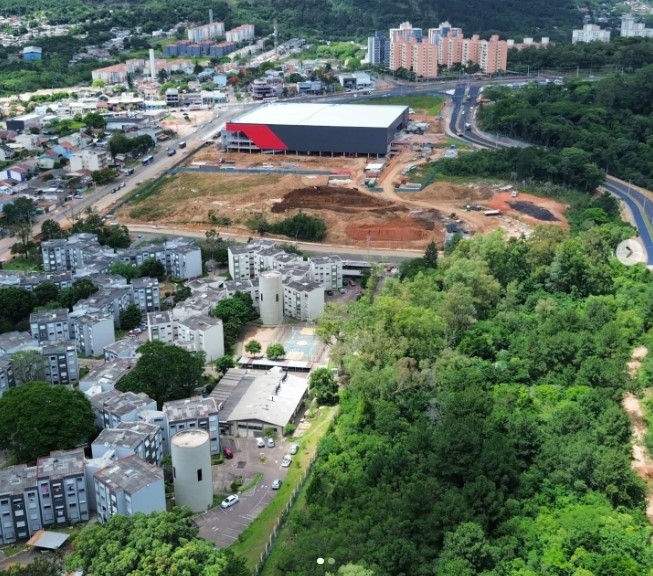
{"x":630,"y":28}
{"x":406,"y":32}
{"x":128,"y":486}
{"x":104,"y":377}
{"x":129,"y":438}
{"x":183,"y":259}
{"x":303,"y":300}
{"x":204,"y":334}
{"x":590,"y":33}
{"x":53,"y":254}
{"x":378,"y":49}
{"x":327,"y":271}
{"x":92,"y":332}
{"x":12,"y":342}
{"x":91,"y":160}
{"x":115,"y":74}
{"x":113,"y":407}
{"x":61,"y":366}
{"x":50,"y":326}
{"x":161,"y":327}
{"x":493,"y":55}
{"x":196,"y":412}
{"x":240,"y":261}
{"x":146,"y":294}
{"x":419,"y":57}
{"x":124,"y":349}
{"x":61,"y":482}
{"x":7,"y":379}
{"x":206,"y":32}
{"x":20,"y":517}
{"x":111,"y":301}
{"x":242,"y":33}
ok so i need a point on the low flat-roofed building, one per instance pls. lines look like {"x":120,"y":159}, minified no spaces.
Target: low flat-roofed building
{"x":124,"y":349}
{"x":106,"y":376}
{"x":269,"y":400}
{"x":128,"y":486}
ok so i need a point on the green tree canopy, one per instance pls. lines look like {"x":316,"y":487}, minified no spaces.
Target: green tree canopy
{"x":36,"y":418}
{"x":165,"y":372}
{"x":275,"y":351}
{"x":130,"y":317}
{"x":253,"y":348}
{"x":152,"y":268}
{"x":323,"y":386}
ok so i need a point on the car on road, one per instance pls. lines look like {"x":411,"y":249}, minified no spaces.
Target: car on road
{"x":229,"y":501}
{"x":260,"y":443}
{"x":294,"y":448}
{"x":342,"y":290}
{"x":287,"y":461}
{"x":276,"y":484}
{"x":270,"y":442}
{"x":228,"y":453}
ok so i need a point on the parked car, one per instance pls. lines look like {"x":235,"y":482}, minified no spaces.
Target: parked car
{"x":276,"y":484}
{"x":260,"y":443}
{"x":287,"y":461}
{"x":294,"y":448}
{"x":229,"y":501}
{"x":342,"y":290}
{"x":270,"y":442}
{"x":330,"y":292}
{"x":228,"y":453}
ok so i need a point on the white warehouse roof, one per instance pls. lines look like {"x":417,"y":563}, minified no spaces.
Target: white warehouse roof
{"x":334,"y":115}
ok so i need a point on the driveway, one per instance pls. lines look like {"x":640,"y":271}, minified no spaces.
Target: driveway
{"x":222,"y":527}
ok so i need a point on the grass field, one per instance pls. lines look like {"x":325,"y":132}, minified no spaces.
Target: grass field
{"x":430,"y":105}
{"x":21,"y":264}
{"x":251,"y":543}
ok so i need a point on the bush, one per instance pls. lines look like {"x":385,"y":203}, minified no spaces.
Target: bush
{"x":289,"y":430}
{"x":269,"y":432}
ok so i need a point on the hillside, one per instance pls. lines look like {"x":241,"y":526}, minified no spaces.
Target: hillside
{"x":319,"y":18}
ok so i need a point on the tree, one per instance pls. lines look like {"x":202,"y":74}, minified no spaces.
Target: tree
{"x":323,"y":386}
{"x":235,"y":313}
{"x":165,"y":372}
{"x":431,"y":256}
{"x":37,"y":418}
{"x":125,"y":269}
{"x":104,"y":175}
{"x":50,"y":565}
{"x":223,"y":364}
{"x":130,"y":317}
{"x":21,"y":211}
{"x":182,"y":293}
{"x":16,"y":304}
{"x":45,"y":293}
{"x":28,"y":366}
{"x":152,"y":268}
{"x":275,"y":351}
{"x":95,"y":120}
{"x":52,"y":230}
{"x":152,"y":544}
{"x":253,"y":347}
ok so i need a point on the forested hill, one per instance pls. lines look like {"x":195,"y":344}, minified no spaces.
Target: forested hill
{"x":321,"y":18}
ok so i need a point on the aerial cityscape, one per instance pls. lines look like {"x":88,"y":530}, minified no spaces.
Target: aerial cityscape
{"x":346,"y":289}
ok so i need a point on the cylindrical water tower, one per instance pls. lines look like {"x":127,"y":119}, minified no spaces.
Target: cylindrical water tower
{"x":270,"y":297}
{"x":191,"y":469}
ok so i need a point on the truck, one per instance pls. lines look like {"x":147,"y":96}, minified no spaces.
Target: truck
{"x":182,"y":144}
{"x":492,"y":212}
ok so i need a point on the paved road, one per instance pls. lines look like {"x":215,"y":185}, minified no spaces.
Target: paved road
{"x":640,"y":203}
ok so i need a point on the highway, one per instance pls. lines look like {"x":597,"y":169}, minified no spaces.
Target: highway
{"x":640,"y":204}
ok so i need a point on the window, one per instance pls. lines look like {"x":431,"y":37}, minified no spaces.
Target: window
{"x":199,"y":474}
{"x":174,"y":472}
{"x":277,"y":296}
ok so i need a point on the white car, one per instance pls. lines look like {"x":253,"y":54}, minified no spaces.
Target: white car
{"x":229,"y":501}
{"x":287,"y":461}
{"x":294,"y":448}
{"x":260,"y":443}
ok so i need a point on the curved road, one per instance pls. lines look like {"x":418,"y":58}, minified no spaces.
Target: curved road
{"x":639,"y":203}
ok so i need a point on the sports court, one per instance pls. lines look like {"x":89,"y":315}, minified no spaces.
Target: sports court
{"x":300,"y":343}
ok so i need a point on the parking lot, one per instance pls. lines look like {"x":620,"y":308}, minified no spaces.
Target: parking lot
{"x":222,"y":527}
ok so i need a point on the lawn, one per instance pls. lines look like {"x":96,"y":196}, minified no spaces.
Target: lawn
{"x":22,"y":264}
{"x":430,"y":105}
{"x":251,"y":543}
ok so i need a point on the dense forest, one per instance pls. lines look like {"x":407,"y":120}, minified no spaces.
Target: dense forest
{"x":317,"y":18}
{"x":480,"y":429}
{"x":611,"y":119}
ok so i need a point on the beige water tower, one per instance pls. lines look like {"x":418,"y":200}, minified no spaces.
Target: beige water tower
{"x":270,"y":297}
{"x":191,"y":469}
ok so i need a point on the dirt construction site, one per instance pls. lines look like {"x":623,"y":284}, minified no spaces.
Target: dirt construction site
{"x":354,"y":214}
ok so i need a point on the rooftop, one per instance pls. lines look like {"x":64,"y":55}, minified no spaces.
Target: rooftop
{"x":307,"y":286}
{"x":272,"y":397}
{"x":61,"y":464}
{"x":190,"y":438}
{"x":326,"y":259}
{"x":200,"y":322}
{"x":189,"y":408}
{"x":126,"y":402}
{"x":154,"y":318}
{"x":123,"y":438}
{"x":124,"y":345}
{"x":145,"y":282}
{"x":129,"y":474}
{"x":110,"y":372}
{"x":17,"y":479}
{"x":14,"y":341}
{"x":58,"y":315}
{"x":58,"y":347}
{"x":332,"y":115}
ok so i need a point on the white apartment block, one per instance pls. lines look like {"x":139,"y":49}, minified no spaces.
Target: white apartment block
{"x":53,"y":253}
{"x":303,"y":300}
{"x":183,"y":259}
{"x":128,"y":438}
{"x":161,"y":327}
{"x":105,"y":377}
{"x":61,"y":366}
{"x":207,"y":32}
{"x":327,"y":271}
{"x":93,"y":332}
{"x":128,"y":486}
{"x":242,"y":33}
{"x":196,"y":412}
{"x":630,"y":28}
{"x":92,"y":160}
{"x":50,"y":326}
{"x":146,"y":294}
{"x":113,"y":407}
{"x":204,"y":333}
{"x":590,"y":33}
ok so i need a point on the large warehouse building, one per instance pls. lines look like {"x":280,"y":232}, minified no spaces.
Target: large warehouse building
{"x":316,"y":129}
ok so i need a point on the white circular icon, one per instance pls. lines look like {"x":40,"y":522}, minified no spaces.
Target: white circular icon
{"x":630,"y":252}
